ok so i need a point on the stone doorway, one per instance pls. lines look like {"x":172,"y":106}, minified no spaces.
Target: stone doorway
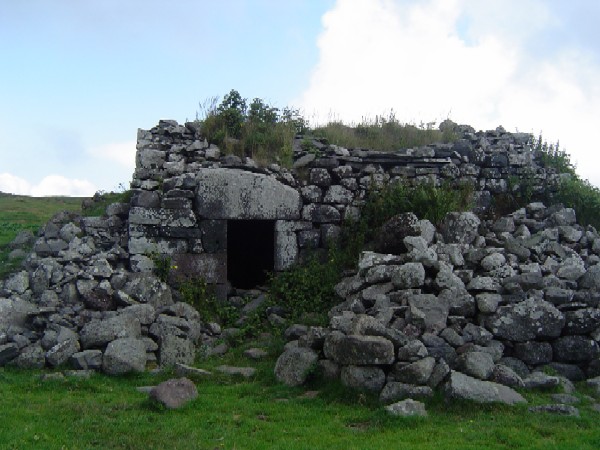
{"x":250,"y":252}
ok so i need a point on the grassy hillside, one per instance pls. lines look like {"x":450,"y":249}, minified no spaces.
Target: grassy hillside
{"x":19,"y":212}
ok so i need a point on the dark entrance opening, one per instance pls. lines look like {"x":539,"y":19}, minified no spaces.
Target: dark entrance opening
{"x":250,"y":252}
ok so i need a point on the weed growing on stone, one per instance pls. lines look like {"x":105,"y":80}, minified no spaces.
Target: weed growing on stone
{"x":196,"y":292}
{"x":162,"y":265}
{"x":96,"y":206}
{"x":384,"y":133}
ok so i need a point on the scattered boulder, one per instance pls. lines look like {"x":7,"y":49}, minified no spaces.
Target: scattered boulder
{"x":477,"y":364}
{"x":245,"y":372}
{"x":87,"y":360}
{"x":183,"y":370}
{"x":390,"y":237}
{"x":506,"y":376}
{"x":8,"y":352}
{"x":394,"y":391}
{"x":428,"y":311}
{"x":460,"y":228}
{"x":174,"y":393}
{"x":575,"y":349}
{"x":416,"y":373}
{"x":539,"y":380}
{"x":31,"y":357}
{"x":173,"y":350}
{"x":98,"y":333}
{"x":61,"y":352}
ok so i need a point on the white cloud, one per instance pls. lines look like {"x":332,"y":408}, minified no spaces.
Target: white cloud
{"x":14,"y":185}
{"x":430,"y":59}
{"x":123,"y":153}
{"x":49,"y":185}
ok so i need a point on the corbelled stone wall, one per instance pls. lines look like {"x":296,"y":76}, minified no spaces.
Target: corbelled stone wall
{"x":186,"y":190}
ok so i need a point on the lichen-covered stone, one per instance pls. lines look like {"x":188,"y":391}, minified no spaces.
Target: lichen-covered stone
{"x":295,"y":365}
{"x":124,"y":355}
{"x":526,"y":320}
{"x":359,"y":350}
{"x":237,"y":194}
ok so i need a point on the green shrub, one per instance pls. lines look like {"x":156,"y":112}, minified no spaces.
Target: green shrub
{"x":309,"y":287}
{"x":306,"y":288}
{"x":583,"y":197}
{"x":551,"y":155}
{"x":259,"y":130}
{"x":425,"y":200}
{"x":197,"y":293}
{"x":162,"y":265}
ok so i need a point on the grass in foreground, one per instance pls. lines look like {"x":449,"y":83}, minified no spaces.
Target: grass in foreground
{"x":108,"y":413}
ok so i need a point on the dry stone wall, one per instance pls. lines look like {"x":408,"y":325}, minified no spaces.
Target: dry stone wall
{"x":475,"y":309}
{"x":87,"y":297}
{"x":186,"y":190}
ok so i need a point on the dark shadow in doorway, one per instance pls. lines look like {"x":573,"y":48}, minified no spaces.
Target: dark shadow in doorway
{"x":250,"y":252}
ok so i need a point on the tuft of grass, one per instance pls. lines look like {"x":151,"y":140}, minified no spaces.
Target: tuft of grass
{"x":425,"y":200}
{"x":266,"y":133}
{"x":383,"y":134}
{"x":100,"y":200}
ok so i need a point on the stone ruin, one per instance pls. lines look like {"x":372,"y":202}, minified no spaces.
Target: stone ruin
{"x":230,"y":221}
{"x":475,"y":308}
{"x":517,"y":294}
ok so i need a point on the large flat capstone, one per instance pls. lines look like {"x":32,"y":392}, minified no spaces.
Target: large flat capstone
{"x":237,"y":194}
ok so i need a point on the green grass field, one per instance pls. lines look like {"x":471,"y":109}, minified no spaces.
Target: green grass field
{"x":19,"y":212}
{"x":108,"y":413}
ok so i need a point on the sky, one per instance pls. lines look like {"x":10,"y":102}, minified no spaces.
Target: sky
{"x":79,"y":77}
